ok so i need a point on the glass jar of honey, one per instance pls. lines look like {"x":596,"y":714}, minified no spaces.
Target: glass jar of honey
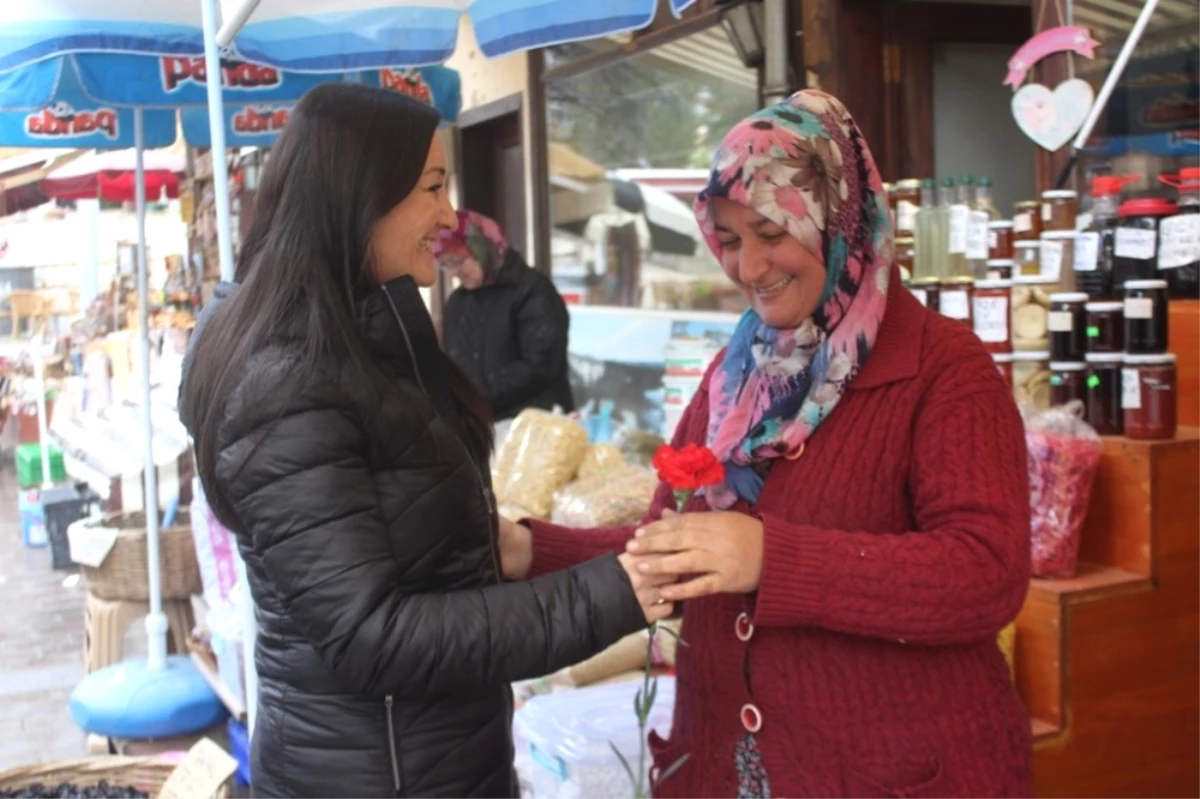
{"x":1059,"y":209}
{"x":1028,"y":255}
{"x":905,"y":200}
{"x":1149,"y":396}
{"x":1000,"y":239}
{"x":1027,"y":220}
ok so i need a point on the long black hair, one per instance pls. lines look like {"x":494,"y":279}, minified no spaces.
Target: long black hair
{"x":347,"y":156}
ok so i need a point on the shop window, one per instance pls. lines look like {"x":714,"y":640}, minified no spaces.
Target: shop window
{"x":629,"y":147}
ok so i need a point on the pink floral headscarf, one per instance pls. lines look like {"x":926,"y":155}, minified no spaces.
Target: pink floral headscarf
{"x":478,"y":237}
{"x":804,"y":165}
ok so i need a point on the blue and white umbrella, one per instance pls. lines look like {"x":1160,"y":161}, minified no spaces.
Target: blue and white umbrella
{"x":312,"y":35}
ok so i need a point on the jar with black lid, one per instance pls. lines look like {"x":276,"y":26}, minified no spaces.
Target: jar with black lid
{"x":1068,"y":381}
{"x":1094,"y":245}
{"x":1179,"y":237}
{"x":1067,"y":324}
{"x":1104,"y":392}
{"x":1146,"y":316}
{"x":1135,"y":238}
{"x":1105,"y":326}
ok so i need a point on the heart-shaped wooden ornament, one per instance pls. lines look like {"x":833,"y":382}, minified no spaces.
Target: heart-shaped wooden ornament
{"x":1051,"y":118}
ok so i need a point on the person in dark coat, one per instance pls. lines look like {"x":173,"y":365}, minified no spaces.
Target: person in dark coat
{"x":349,"y":456}
{"x":506,"y":325}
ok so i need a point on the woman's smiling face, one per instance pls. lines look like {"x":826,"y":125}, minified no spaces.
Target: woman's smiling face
{"x":781,"y":278}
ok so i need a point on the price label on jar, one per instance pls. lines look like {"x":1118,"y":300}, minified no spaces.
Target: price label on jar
{"x":1060,"y":322}
{"x":991,"y":319}
{"x":955,"y":304}
{"x":1052,"y":257}
{"x":1179,"y":241}
{"x":977,"y":236}
{"x":1139,"y":308}
{"x":959,"y":215}
{"x":1133,"y":243}
{"x":1131,"y":390}
{"x":906,"y":215}
{"x":1022,"y":223}
{"x":1087,"y":251}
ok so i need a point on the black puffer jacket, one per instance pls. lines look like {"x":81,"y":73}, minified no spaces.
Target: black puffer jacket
{"x":510,"y":338}
{"x":387,"y":641}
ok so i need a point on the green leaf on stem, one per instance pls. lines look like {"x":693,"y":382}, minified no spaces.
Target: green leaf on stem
{"x":670,"y":770}
{"x":628,"y":768}
{"x":674,"y":635}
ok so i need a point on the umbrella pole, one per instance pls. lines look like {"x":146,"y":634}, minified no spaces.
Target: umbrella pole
{"x":156,"y":621}
{"x":216,"y":128}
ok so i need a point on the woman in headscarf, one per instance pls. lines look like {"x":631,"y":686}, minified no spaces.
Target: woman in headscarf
{"x":506,"y":326}
{"x":843,"y":589}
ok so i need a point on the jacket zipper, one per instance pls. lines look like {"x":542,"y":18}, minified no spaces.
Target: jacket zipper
{"x":483,"y":486}
{"x":392,"y":744}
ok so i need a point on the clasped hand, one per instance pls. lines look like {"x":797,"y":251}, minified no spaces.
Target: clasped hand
{"x":700,"y":554}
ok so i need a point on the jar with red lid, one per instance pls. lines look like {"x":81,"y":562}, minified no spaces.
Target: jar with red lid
{"x":1067,"y":326}
{"x":1104,"y":392}
{"x":991,"y":312}
{"x":1027,"y":220}
{"x":1105,"y":326}
{"x":1000,"y":239}
{"x":1149,"y":396}
{"x":1004,"y":365}
{"x":1179,"y":237}
{"x":1068,"y":381}
{"x":1093,"y":265}
{"x":1135,"y":238}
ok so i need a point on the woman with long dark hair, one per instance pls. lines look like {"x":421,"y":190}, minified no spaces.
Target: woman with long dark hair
{"x":349,"y":455}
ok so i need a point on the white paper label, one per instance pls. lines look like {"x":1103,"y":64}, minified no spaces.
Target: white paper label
{"x":1179,"y":241}
{"x":1139,"y":308}
{"x":1047,"y":212}
{"x":1023,"y":223}
{"x":993,"y":239}
{"x":977,"y":236}
{"x":1052,"y":257}
{"x":1060,"y":322}
{"x":955,"y":304}
{"x":921,"y":295}
{"x":1087,"y":251}
{"x":906,"y":216}
{"x":958,"y":229}
{"x":1133,"y":243}
{"x":1131,"y":390}
{"x":991,"y":319}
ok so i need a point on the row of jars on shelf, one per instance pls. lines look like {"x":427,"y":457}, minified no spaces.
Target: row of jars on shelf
{"x":1058,"y":346}
{"x":1144,"y":236}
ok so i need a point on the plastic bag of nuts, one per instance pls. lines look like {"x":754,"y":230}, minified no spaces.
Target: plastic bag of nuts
{"x":606,"y":500}
{"x":541,"y":454}
{"x":601,"y":458}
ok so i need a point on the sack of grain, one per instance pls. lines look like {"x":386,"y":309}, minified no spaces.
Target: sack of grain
{"x":601,"y":458}
{"x":607,"y":500}
{"x":541,"y":455}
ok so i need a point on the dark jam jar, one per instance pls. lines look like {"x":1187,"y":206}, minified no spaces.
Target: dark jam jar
{"x":1135,"y":238}
{"x":1094,"y":244}
{"x":1148,"y":396}
{"x":1105,"y":326}
{"x":1146,"y":316}
{"x":1104,"y":392}
{"x":1068,"y":382}
{"x":927,"y":291}
{"x":1179,"y":237}
{"x":1068,"y":326}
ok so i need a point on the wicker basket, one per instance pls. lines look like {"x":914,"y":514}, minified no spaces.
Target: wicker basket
{"x":123,"y":575}
{"x":144,"y":773}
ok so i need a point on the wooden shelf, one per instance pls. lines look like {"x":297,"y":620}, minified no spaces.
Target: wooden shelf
{"x":1091,"y":578}
{"x":1043,"y":729}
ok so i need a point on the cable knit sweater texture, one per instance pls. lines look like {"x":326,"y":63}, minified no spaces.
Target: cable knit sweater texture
{"x":896,"y":548}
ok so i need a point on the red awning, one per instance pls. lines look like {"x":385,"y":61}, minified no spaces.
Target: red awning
{"x":112,"y":186}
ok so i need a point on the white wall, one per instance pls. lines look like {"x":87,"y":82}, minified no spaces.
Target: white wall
{"x":974,"y":131}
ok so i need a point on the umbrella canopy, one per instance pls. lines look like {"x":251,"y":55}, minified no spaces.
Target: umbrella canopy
{"x":312,"y":35}
{"x":110,"y":176}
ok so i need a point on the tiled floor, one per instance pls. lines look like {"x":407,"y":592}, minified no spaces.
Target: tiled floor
{"x":41,"y":646}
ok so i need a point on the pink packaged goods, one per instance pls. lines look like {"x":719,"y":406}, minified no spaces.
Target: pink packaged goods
{"x":1064,"y":453}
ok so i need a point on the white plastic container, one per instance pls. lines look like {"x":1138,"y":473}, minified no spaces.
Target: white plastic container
{"x":688,"y":357}
{"x":563,"y":739}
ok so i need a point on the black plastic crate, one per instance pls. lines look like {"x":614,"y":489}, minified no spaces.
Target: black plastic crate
{"x":64,"y":505}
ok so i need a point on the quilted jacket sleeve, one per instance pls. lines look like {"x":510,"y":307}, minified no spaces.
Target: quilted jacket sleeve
{"x":301,"y":488}
{"x":542,"y":326}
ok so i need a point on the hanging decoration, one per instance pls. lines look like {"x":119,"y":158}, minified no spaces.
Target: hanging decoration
{"x":1051,"y":116}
